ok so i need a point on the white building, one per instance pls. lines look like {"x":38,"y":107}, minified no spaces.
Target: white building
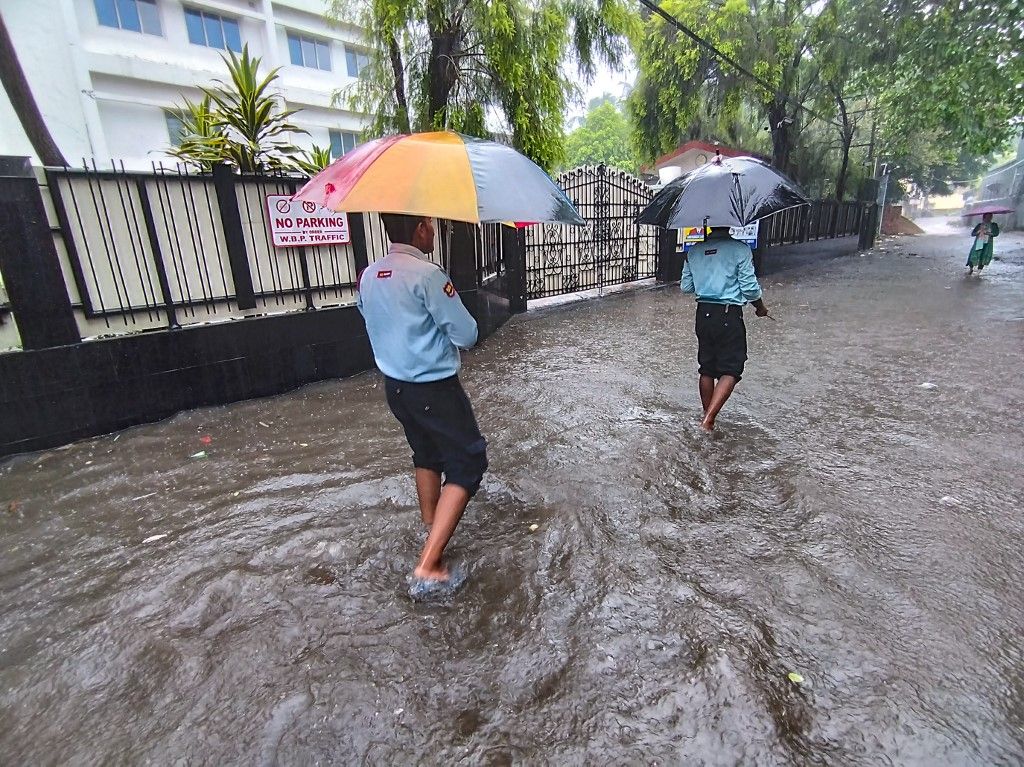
{"x":104,"y":73}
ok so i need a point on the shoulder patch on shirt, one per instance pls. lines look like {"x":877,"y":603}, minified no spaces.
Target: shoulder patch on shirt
{"x":449,"y":289}
{"x":383,"y":274}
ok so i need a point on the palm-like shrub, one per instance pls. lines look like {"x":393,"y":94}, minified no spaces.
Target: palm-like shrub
{"x":240,"y":122}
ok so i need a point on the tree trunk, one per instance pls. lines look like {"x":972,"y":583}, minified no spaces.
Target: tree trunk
{"x":846,"y":133}
{"x":441,"y":70}
{"x":398,"y":68}
{"x":780,"y":124}
{"x":843,"y":169}
{"x":13,"y":78}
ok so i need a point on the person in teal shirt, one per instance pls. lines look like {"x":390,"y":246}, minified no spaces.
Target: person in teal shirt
{"x":720,"y":273}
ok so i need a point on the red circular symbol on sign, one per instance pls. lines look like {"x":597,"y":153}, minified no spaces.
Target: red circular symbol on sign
{"x":309,"y":207}
{"x":283,"y":206}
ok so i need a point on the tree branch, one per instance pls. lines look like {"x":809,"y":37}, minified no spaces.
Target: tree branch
{"x":20,"y":94}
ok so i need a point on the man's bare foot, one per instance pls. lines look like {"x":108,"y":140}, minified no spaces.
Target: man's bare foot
{"x":437,"y":584}
{"x":439,"y":573}
{"x":706,"y":425}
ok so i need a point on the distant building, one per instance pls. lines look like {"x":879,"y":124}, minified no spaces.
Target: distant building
{"x":689,"y":156}
{"x":1003,"y":186}
{"x":105,"y":72}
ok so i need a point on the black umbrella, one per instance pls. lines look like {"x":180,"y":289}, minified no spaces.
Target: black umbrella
{"x":733,"y":191}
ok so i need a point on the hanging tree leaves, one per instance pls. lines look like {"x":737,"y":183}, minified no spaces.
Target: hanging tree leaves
{"x":682,"y":84}
{"x":446,"y":64}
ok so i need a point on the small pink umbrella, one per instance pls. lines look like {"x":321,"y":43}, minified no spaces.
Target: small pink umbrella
{"x":986,"y":207}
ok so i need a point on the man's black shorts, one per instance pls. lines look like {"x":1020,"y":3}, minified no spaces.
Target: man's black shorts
{"x":721,"y":340}
{"x":441,"y":429}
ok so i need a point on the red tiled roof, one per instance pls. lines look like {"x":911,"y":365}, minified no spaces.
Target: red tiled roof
{"x":701,"y":145}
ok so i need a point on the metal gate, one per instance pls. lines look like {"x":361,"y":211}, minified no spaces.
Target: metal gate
{"x":611,"y":249}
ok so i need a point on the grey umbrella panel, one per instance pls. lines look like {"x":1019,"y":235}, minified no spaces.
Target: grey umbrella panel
{"x":726,"y":192}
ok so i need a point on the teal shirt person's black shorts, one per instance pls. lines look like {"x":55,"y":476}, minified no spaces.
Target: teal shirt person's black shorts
{"x":441,"y":429}
{"x":721,"y":340}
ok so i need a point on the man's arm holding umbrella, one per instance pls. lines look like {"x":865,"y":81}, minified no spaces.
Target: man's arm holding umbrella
{"x":748,"y":283}
{"x":448,"y":311}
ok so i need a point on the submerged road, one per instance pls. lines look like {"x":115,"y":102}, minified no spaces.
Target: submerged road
{"x":856,"y":520}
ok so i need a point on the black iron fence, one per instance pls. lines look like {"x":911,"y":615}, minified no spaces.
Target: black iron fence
{"x":822,"y":219}
{"x":171,"y":247}
{"x":144,"y":251}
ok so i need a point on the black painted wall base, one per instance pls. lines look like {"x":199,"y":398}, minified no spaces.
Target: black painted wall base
{"x":54,"y":396}
{"x":50,"y":397}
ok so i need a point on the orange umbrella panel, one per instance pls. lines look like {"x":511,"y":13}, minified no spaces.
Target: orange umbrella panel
{"x":442,"y":175}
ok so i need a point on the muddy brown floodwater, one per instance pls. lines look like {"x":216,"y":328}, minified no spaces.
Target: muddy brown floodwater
{"x":845,"y":523}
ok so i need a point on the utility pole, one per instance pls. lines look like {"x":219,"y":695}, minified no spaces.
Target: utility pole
{"x":882,"y":194}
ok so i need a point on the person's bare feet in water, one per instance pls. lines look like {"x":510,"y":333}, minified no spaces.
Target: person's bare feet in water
{"x":428,"y":584}
{"x":439,"y":573}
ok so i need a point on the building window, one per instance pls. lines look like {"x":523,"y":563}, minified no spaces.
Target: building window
{"x":133,"y":15}
{"x":355,"y":61}
{"x":342,"y":142}
{"x":175,"y":128}
{"x":213,"y":31}
{"x":309,"y":52}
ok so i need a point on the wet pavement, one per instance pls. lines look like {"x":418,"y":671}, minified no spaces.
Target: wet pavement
{"x":846,"y":523}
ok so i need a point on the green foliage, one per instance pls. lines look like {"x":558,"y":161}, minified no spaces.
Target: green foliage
{"x":455,"y":64}
{"x":313,"y":160}
{"x":202,"y":139}
{"x":239,"y":122}
{"x":929,"y":86}
{"x":684,"y":90}
{"x":604,"y":137}
{"x":956,"y":69}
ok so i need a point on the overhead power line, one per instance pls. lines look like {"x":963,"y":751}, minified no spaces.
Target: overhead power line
{"x":655,"y":8}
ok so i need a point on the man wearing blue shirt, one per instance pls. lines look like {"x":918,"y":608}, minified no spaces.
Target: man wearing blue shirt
{"x":720,"y":272}
{"x":417,"y":323}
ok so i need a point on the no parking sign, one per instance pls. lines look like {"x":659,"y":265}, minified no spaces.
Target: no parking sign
{"x":294,"y":223}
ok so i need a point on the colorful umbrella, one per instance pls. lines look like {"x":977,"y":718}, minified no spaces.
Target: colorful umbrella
{"x":442,"y":175}
{"x":733,"y":191}
{"x":988,"y":207}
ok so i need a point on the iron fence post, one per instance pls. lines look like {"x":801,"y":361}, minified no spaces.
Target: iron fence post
{"x":158,"y":258}
{"x":602,"y":229}
{"x":670,"y":262}
{"x":357,"y":231}
{"x":307,"y":289}
{"x":462,"y":259}
{"x":231,"y":220}
{"x":513,"y":244}
{"x":29,"y":263}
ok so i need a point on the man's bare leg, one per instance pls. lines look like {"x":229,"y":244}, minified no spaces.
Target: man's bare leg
{"x":428,"y":490}
{"x":448,"y":513}
{"x":706,"y":384}
{"x":721,"y":393}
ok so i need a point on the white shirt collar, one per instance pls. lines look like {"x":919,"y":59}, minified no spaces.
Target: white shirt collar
{"x":409,"y":250}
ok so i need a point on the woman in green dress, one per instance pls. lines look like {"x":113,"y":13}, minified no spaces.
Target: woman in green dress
{"x":981,"y":250}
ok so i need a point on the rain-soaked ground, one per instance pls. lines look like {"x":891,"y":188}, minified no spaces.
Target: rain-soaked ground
{"x":846,"y":523}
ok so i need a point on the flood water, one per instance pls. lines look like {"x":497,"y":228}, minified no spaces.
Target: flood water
{"x":844,"y":523}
